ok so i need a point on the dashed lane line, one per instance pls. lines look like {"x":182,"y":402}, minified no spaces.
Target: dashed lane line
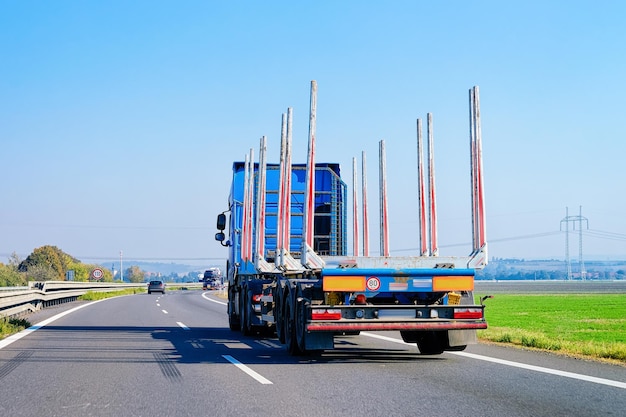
{"x":260,"y":378}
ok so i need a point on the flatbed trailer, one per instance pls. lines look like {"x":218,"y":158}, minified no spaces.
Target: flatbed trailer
{"x":288,"y":270}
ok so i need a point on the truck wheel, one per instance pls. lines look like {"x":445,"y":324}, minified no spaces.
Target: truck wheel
{"x":431,"y":343}
{"x":233,"y":322}
{"x":279,"y":318}
{"x":300,"y":326}
{"x":290,"y":329}
{"x":249,"y":328}
{"x":409,"y":336}
{"x":244,"y":317}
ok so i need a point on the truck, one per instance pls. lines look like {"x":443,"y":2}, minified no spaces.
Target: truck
{"x":211,"y":279}
{"x":289,"y":272}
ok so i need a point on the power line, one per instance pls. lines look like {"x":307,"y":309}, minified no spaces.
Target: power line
{"x":604,"y":235}
{"x":591,"y":232}
{"x":142,"y":259}
{"x":506,"y":239}
{"x":101,"y":258}
{"x":597,"y":234}
{"x":114,"y":227}
{"x":533,"y":236}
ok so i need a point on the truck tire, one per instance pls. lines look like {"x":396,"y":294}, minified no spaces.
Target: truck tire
{"x":244,"y":315}
{"x":279,"y":316}
{"x":300,"y":321}
{"x":233,"y":321}
{"x":431,"y":342}
{"x":290,"y":328}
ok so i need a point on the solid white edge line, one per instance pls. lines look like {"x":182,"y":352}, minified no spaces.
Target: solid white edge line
{"x":182,"y":325}
{"x":535,"y":368}
{"x":212,"y":300}
{"x":596,"y":380}
{"x":17,"y":336}
{"x":247,"y":370}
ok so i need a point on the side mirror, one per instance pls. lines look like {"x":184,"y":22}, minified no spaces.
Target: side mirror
{"x":220,"y":237}
{"x":221,"y":223}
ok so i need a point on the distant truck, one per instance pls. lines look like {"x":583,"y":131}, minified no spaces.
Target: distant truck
{"x":211,"y":279}
{"x":289,"y":271}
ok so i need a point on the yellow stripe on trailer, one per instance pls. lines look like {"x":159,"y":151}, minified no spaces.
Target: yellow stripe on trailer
{"x":344,"y":283}
{"x":453,"y":283}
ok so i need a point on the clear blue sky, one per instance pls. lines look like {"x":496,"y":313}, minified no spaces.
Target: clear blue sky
{"x":119,"y":121}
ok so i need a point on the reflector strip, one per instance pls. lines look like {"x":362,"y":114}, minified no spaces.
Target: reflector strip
{"x":345,"y":283}
{"x":398,"y":286}
{"x":453,"y":283}
{"x":382,"y":325}
{"x":423,"y":284}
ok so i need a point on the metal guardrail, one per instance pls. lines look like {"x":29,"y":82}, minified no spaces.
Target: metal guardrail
{"x":13,"y":288}
{"x":21,"y":300}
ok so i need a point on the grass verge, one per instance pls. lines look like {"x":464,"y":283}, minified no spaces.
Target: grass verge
{"x":96,"y":295}
{"x":11,"y":326}
{"x":582,"y":325}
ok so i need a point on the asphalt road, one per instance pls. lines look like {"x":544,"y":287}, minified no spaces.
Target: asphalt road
{"x":173,"y":355}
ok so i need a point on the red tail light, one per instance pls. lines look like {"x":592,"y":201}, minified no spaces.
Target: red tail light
{"x":256,"y":298}
{"x":468,"y":313}
{"x":325,"y":314}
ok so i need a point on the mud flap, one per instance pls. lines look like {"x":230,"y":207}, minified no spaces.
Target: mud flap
{"x":462,"y":337}
{"x":319,"y":341}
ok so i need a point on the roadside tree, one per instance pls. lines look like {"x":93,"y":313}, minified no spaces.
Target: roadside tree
{"x":47,"y":258}
{"x":135,"y":274}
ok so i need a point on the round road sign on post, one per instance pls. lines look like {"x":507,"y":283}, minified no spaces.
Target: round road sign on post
{"x":97,"y":274}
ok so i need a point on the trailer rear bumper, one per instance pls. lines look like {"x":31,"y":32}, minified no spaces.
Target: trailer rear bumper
{"x":340,"y":326}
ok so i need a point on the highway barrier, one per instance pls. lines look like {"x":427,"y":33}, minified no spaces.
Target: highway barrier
{"x":17,"y":301}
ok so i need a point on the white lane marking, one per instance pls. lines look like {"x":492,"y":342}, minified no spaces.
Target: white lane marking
{"x":236,"y":345}
{"x":247,"y":370}
{"x":17,"y":336}
{"x":158,"y":305}
{"x":535,"y":368}
{"x":204,"y":295}
{"x":182,"y":326}
{"x":164,"y":311}
{"x":565,"y":374}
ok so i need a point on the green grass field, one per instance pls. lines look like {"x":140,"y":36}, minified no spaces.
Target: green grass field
{"x":583,"y":325}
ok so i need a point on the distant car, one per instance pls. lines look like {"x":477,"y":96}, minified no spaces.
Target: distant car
{"x":156,"y":286}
